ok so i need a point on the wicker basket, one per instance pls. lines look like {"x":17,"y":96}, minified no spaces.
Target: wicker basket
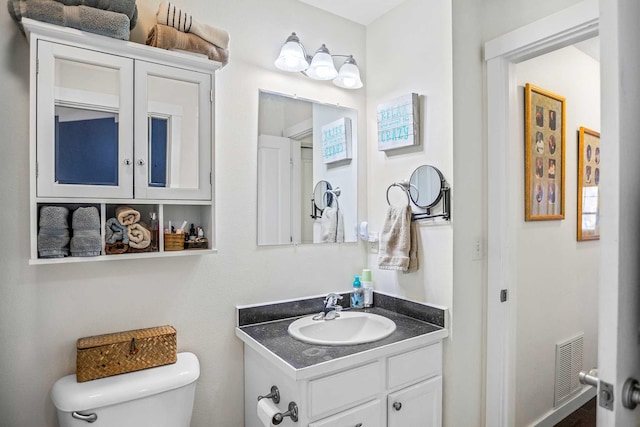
{"x":112,"y":354}
{"x":173,"y":242}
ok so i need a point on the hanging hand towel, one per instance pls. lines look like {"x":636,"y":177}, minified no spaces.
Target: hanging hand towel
{"x":139,"y":237}
{"x":169,"y":38}
{"x":332,"y":225}
{"x":103,"y":22}
{"x":413,"y":250}
{"x":168,"y":14}
{"x":395,"y":239}
{"x":127,"y":215}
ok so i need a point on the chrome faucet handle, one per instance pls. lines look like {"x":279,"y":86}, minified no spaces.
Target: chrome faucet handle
{"x":332,"y":299}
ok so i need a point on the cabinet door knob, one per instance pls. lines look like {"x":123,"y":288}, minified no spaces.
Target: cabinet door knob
{"x":140,"y":162}
{"x":127,"y":162}
{"x":397,"y":406}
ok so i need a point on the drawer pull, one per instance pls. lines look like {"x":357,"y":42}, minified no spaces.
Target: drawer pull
{"x":397,"y":406}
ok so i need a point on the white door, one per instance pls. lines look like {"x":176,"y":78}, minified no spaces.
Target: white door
{"x":619,"y":294}
{"x":619,"y":287}
{"x":417,"y":405}
{"x":274,"y":190}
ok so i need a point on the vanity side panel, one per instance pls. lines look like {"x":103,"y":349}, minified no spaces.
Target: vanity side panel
{"x":259,"y":376}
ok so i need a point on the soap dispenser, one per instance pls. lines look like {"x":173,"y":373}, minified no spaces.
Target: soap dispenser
{"x":357,"y":296}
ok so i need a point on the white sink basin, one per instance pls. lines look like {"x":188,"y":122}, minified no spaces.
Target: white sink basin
{"x":352,"y":327}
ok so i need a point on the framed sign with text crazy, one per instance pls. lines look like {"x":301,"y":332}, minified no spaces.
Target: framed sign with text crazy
{"x":399,"y":122}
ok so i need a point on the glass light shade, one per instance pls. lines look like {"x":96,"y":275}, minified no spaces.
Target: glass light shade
{"x":322,"y":67}
{"x":292,"y":56}
{"x":349,"y":75}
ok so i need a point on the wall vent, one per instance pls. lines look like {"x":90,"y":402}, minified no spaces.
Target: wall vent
{"x":568,"y":366}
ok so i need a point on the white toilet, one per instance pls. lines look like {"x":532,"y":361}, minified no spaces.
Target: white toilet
{"x":159,"y":397}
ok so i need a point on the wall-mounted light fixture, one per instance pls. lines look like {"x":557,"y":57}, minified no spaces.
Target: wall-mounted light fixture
{"x":293,"y":58}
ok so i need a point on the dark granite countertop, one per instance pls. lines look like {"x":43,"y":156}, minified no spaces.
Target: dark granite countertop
{"x":410,"y":319}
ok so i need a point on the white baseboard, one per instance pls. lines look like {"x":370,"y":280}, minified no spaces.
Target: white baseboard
{"x":556,"y":415}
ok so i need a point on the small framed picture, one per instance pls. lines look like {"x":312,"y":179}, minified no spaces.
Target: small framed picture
{"x":544,"y":154}
{"x":588,"y":184}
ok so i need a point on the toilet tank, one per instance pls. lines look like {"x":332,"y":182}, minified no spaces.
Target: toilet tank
{"x":158,"y":397}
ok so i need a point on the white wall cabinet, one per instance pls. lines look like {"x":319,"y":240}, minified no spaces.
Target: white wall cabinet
{"x":399,"y":390}
{"x":119,"y":123}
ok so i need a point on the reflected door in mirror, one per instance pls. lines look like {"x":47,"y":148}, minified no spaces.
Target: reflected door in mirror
{"x":84,"y":123}
{"x":173,"y":152}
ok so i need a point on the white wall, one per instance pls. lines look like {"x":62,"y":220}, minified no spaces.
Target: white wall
{"x":554,"y":270}
{"x":44,"y":309}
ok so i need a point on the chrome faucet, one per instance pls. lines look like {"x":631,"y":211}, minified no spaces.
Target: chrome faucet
{"x":331,"y":306}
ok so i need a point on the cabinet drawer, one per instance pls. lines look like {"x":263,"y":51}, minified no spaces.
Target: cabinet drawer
{"x":367,"y":415}
{"x":344,"y":389}
{"x":415,"y":365}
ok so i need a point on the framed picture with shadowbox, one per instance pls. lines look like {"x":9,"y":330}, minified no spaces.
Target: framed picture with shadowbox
{"x":588,"y":184}
{"x":544,"y":154}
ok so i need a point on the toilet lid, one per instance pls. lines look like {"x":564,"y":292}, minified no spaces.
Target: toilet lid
{"x":68,"y":395}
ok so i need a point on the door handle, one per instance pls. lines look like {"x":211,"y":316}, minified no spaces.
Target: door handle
{"x":589,"y":378}
{"x":397,"y":406}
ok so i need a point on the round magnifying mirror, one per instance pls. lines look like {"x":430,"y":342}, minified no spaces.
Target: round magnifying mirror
{"x":321,"y":197}
{"x":425,"y":186}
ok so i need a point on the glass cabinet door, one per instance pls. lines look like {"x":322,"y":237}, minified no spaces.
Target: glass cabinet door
{"x":84,"y":123}
{"x":173,"y":150}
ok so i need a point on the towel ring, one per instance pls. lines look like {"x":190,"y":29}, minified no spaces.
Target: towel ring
{"x":335,"y":193}
{"x":405,"y":187}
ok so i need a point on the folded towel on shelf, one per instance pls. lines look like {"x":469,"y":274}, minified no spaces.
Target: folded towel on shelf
{"x":332,"y":225}
{"x":115,"y":248}
{"x":114,"y":231}
{"x":169,"y":38}
{"x":86,"y":240}
{"x":85,"y":18}
{"x":395,"y":239}
{"x":168,"y":14}
{"x":127,"y":7}
{"x":127,"y":215}
{"x":139,"y":237}
{"x":53,"y":233}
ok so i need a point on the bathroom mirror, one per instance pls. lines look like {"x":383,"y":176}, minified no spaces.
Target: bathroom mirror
{"x":425,"y":186}
{"x":294,"y":175}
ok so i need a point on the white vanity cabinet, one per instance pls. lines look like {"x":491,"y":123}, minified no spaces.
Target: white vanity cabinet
{"x":396,"y":390}
{"x":119,"y":123}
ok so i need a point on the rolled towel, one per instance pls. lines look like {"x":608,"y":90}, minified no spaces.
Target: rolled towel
{"x":169,"y":38}
{"x":127,"y":215}
{"x":85,"y":18}
{"x":115,"y":248}
{"x":139,"y":237}
{"x":53,"y":234}
{"x":114,"y":231}
{"x":128,"y":7}
{"x":168,"y":14}
{"x":86,"y":240}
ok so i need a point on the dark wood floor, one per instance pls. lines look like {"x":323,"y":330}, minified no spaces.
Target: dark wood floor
{"x":585,"y":416}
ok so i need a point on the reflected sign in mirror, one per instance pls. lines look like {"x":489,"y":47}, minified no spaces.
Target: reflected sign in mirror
{"x":290,"y":165}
